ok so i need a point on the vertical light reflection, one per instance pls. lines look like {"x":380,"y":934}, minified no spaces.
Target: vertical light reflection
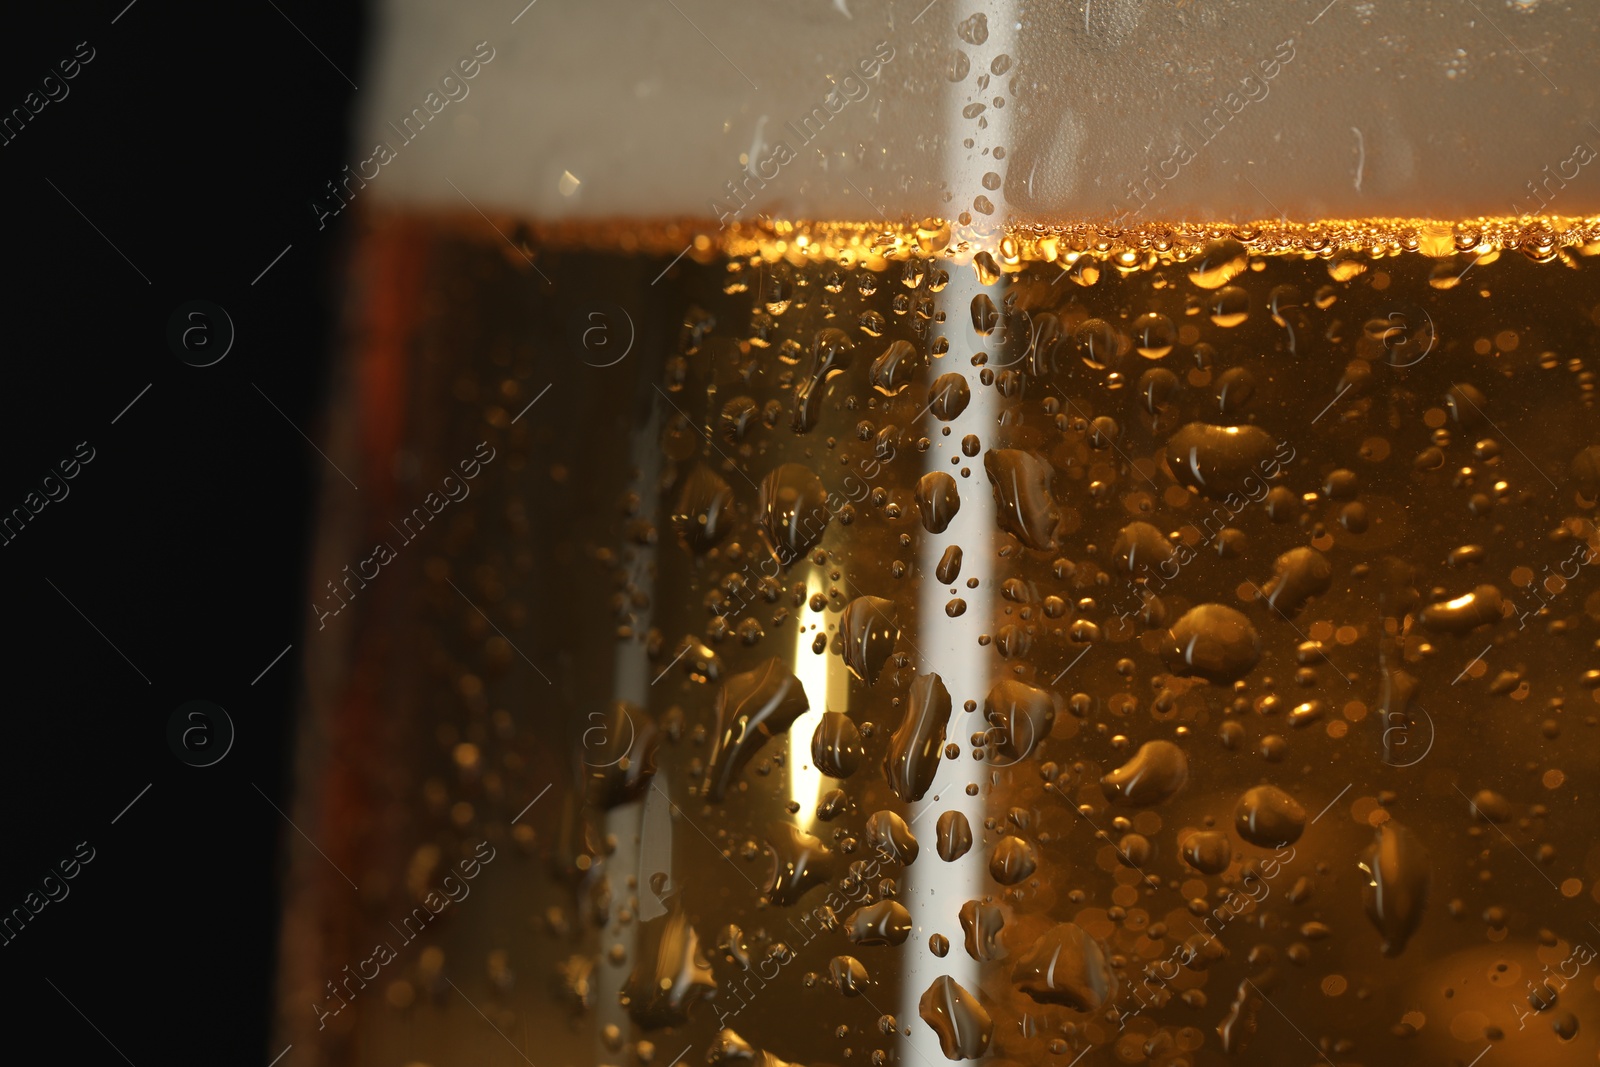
{"x":827,"y":685}
{"x":638,"y":855}
{"x":934,"y":890}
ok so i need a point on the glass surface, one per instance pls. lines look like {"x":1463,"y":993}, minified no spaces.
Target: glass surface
{"x":1023,"y":629}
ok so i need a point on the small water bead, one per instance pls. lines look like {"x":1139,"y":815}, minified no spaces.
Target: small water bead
{"x":751,"y":708}
{"x":1345,"y":266}
{"x":1269,"y":817}
{"x":985,"y":316}
{"x":938,"y":501}
{"x":890,"y":837}
{"x":1481,"y":607}
{"x":1099,"y":344}
{"x":1134,"y":850}
{"x":885,"y":923}
{"x":1489,"y":805}
{"x":1399,"y":872}
{"x":1066,"y":967}
{"x":836,"y":748}
{"x":981,"y":924}
{"x":974,"y":29}
{"x":1217,"y":460}
{"x":1155,"y":773}
{"x":1024,"y":505}
{"x":1214,"y":642}
{"x":960,"y":1020}
{"x":868,"y":629}
{"x":954,"y":836}
{"x":913,"y":756}
{"x":949,"y":566}
{"x":1157,"y":389}
{"x":1235,"y":388}
{"x":1229,"y":306}
{"x":848,"y":974}
{"x":792,"y":511}
{"x":948,"y":396}
{"x":1298,"y":575}
{"x":1153,"y":335}
{"x":1103,"y":432}
{"x":1466,"y":405}
{"x":1208,"y":851}
{"x":1218,"y":264}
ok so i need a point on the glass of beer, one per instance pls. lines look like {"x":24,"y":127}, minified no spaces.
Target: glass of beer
{"x":893,"y":533}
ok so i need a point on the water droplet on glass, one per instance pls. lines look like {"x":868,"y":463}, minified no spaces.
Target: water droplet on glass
{"x":1398,"y":870}
{"x":1155,"y":773}
{"x":792,"y":512}
{"x":836,"y":745}
{"x":885,"y":923}
{"x":1012,"y":860}
{"x":954,"y":836}
{"x":1214,"y":642}
{"x":868,"y":630}
{"x":800,"y":862}
{"x":958,"y":1018}
{"x":938,"y":500}
{"x":751,"y":709}
{"x":1066,"y":966}
{"x":890,"y":837}
{"x":948,"y":396}
{"x":1219,"y":263}
{"x":915,"y":748}
{"x":1023,"y":504}
{"x":1269,"y":817}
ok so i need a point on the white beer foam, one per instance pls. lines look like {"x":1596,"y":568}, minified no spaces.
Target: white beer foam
{"x":1204,"y":109}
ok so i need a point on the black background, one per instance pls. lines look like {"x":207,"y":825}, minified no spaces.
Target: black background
{"x":194,"y":141}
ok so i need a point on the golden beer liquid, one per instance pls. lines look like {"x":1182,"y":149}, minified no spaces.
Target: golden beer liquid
{"x":1279,"y":648}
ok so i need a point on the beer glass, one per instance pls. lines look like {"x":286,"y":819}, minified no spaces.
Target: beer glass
{"x":897,"y":532}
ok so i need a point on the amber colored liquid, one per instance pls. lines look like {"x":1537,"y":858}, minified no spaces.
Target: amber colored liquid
{"x":1271,"y":657}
